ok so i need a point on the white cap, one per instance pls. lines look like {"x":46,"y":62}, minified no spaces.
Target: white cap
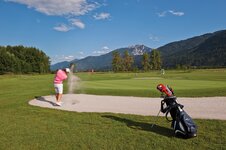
{"x":67,"y":70}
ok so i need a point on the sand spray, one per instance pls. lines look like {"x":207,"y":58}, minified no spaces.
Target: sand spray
{"x":74,"y":82}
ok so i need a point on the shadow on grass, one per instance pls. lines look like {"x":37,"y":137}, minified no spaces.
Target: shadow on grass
{"x":40,"y":98}
{"x":143,"y":126}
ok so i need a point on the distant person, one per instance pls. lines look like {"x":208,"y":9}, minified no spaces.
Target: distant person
{"x":60,"y":76}
{"x":162,"y":71}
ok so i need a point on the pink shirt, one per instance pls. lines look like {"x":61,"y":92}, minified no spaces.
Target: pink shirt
{"x":60,"y":76}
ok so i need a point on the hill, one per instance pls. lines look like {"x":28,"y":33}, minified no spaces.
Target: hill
{"x":208,"y":50}
{"x":103,"y":62}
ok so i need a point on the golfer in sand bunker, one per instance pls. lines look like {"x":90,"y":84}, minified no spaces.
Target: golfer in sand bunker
{"x":60,"y":76}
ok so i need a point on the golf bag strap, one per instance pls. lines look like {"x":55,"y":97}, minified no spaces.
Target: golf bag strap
{"x":168,"y":110}
{"x":171,"y":107}
{"x":163,"y":110}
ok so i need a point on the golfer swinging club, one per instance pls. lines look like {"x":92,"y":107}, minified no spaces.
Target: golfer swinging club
{"x":60,"y":76}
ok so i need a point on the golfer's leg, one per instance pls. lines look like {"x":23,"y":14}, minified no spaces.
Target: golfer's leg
{"x":59,"y":97}
{"x":60,"y":93}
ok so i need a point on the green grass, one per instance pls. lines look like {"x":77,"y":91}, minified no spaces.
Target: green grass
{"x":193,"y":83}
{"x":27,"y":127}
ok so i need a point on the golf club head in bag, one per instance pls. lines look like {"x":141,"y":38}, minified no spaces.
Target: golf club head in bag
{"x":165,"y":89}
{"x":182,"y":123}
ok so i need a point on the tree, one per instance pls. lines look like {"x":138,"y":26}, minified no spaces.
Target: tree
{"x":116,"y":62}
{"x":127,"y":61}
{"x":156,"y":61}
{"x":145,"y":62}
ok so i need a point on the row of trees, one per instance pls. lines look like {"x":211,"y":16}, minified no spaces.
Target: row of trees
{"x":124,"y":63}
{"x":20,"y":59}
{"x":150,"y":61}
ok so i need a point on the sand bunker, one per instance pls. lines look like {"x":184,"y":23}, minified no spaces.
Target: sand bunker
{"x":205,"y":108}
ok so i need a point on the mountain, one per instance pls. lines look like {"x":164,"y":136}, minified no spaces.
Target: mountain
{"x":103,"y":62}
{"x":59,"y":65}
{"x":183,"y":45}
{"x":208,"y":50}
{"x":210,"y":53}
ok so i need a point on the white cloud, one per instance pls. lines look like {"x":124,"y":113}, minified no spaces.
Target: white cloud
{"x":154,"y":38}
{"x":60,"y":58}
{"x":62,"y":28}
{"x":102,"y":16}
{"x":59,"y":7}
{"x":70,"y":57}
{"x":104,"y":50}
{"x":172,"y":12}
{"x":176,"y":13}
{"x":66,"y":8}
{"x":77,"y":23}
{"x":99,"y":52}
{"x":81,"y":53}
{"x":73,"y":22}
{"x":162,"y":14}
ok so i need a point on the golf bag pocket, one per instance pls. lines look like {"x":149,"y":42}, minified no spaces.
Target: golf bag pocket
{"x":183,"y":125}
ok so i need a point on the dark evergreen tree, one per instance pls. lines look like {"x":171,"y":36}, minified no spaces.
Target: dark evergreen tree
{"x":116,"y":62}
{"x":155,"y":60}
{"x":146,"y":62}
{"x":127,"y":61}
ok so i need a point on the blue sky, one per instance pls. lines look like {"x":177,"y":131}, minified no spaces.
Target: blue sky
{"x":69,"y":29}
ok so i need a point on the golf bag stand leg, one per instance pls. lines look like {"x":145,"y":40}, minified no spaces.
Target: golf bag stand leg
{"x":155,"y":119}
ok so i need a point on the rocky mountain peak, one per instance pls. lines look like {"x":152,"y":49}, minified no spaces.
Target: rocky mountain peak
{"x":139,"y":49}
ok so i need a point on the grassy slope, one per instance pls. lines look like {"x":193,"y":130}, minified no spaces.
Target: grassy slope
{"x":27,"y":127}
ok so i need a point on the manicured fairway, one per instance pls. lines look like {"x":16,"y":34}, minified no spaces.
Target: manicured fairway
{"x":27,"y":127}
{"x":185,"y":83}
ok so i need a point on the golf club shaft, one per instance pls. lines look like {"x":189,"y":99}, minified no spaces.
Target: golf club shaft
{"x":156,"y":118}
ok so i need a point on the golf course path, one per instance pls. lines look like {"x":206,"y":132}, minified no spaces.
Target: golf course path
{"x":204,"y":107}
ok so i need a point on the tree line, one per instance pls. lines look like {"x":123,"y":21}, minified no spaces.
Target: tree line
{"x":125,"y":62}
{"x":20,"y":59}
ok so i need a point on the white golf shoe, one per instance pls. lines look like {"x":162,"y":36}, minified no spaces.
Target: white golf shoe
{"x":58,"y":103}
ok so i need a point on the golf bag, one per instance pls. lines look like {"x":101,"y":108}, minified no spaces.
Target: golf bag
{"x":182,"y":123}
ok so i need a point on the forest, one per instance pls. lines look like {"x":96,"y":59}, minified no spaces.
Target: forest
{"x":20,"y":59}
